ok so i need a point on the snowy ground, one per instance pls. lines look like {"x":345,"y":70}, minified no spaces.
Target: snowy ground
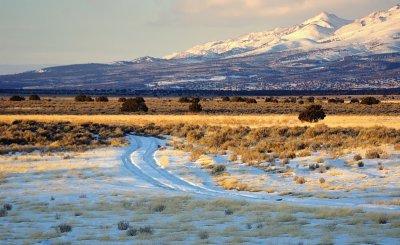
{"x":92,"y":191}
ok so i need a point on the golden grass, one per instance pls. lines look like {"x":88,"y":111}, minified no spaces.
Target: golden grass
{"x":391,"y":202}
{"x":216,"y":120}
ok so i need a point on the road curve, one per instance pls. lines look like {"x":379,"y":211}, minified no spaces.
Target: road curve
{"x":140,"y":161}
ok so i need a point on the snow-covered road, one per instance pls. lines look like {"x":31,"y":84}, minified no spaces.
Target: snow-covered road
{"x":139,"y":159}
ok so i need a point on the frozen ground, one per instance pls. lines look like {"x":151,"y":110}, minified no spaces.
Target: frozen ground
{"x":148,"y":186}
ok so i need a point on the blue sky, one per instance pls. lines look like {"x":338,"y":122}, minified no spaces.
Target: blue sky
{"x":79,"y":31}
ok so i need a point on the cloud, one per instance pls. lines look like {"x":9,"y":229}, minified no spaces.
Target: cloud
{"x":239,"y":12}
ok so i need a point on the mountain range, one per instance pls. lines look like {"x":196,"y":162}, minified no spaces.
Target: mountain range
{"x":324,"y":52}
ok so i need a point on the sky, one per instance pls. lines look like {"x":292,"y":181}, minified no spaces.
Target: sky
{"x":38,"y":32}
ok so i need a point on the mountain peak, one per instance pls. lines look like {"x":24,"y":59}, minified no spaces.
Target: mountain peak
{"x":326,"y":20}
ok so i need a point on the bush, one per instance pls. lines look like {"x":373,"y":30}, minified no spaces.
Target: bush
{"x":238,"y":99}
{"x":16,"y":98}
{"x":195,"y":107}
{"x":7,"y":206}
{"x":123,"y":225}
{"x":357,"y":157}
{"x":3,"y":212}
{"x":226,"y":98}
{"x":34,"y":97}
{"x":228,"y":212}
{"x":159,"y":208}
{"x":184,"y":100}
{"x":101,"y":99}
{"x":336,"y":101}
{"x":313,"y":113}
{"x":271,"y":100}
{"x":83,"y":98}
{"x":321,"y":180}
{"x":310,"y":99}
{"x":354,"y":101}
{"x":369,"y":101}
{"x":63,"y":228}
{"x":372,"y":154}
{"x":121,"y":99}
{"x":134,"y":105}
{"x":203,"y":235}
{"x":146,"y":230}
{"x":251,"y":101}
{"x":360,"y":164}
{"x":132,"y":232}
{"x":218,"y":169}
{"x":299,"y":180}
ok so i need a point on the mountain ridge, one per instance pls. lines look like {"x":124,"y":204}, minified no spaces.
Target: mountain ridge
{"x":325,"y":30}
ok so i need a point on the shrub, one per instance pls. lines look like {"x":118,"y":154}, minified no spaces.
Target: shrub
{"x":357,"y":157}
{"x":146,"y":230}
{"x":271,"y":100}
{"x":251,"y":101}
{"x":301,"y":102}
{"x":159,"y":208}
{"x":34,"y":97}
{"x":195,"y":107}
{"x":354,"y":101}
{"x":63,"y":228}
{"x":7,"y":206}
{"x":372,"y":154}
{"x":369,"y":101}
{"x":123,"y":225}
{"x":203,"y":235}
{"x":3,"y":212}
{"x":228,"y":212}
{"x":16,"y":98}
{"x":321,"y":180}
{"x":121,"y":99}
{"x":360,"y":164}
{"x":184,"y":100}
{"x":238,"y":99}
{"x":83,"y":98}
{"x":336,"y":101}
{"x":226,"y":98}
{"x":134,"y":105}
{"x":310,"y":99}
{"x":299,"y":179}
{"x":101,"y":99}
{"x":132,"y":232}
{"x":218,"y":169}
{"x":313,"y":113}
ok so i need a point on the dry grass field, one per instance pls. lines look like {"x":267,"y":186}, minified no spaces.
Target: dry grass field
{"x":67,"y":105}
{"x":216,"y":120}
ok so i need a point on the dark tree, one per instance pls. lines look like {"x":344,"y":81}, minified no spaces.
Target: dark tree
{"x":34,"y":97}
{"x":370,"y":101}
{"x":134,"y":105}
{"x":121,"y":99}
{"x":195,"y":107}
{"x":101,"y":99}
{"x":16,"y":98}
{"x":313,"y":113}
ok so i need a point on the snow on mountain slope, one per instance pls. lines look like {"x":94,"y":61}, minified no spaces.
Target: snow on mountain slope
{"x":379,"y":32}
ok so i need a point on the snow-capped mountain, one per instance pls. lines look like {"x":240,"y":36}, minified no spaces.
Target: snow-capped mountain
{"x":379,"y":32}
{"x":323,"y":53}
